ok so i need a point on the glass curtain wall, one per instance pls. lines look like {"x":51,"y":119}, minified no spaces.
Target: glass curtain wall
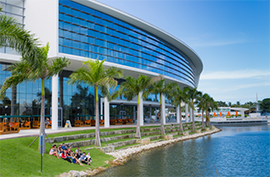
{"x":75,"y":99}
{"x":25,"y":98}
{"x":89,"y":33}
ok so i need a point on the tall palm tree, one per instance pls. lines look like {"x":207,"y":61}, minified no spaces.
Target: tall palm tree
{"x":14,"y":36}
{"x":23,"y":71}
{"x":211,"y":105}
{"x":193,"y":95}
{"x":161,"y":88}
{"x":131,"y":88}
{"x":99,"y":77}
{"x":201,"y":103}
{"x":179,"y":96}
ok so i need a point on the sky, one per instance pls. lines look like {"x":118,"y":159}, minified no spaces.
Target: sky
{"x":231,"y":38}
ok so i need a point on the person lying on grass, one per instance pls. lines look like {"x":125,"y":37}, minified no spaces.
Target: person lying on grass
{"x":53,"y":151}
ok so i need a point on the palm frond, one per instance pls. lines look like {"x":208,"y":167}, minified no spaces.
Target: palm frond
{"x":57,"y":66}
{"x":13,"y":35}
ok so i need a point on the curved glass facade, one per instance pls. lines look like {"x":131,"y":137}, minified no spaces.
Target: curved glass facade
{"x":89,"y":33}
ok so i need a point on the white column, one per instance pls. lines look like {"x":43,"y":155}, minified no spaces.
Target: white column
{"x":106,"y":112}
{"x":186,"y":112}
{"x":141,"y":108}
{"x":242,"y":114}
{"x":177,"y":115}
{"x":55,"y":102}
{"x":163,"y":108}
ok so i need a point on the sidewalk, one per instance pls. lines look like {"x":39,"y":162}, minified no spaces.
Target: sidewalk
{"x":35,"y":132}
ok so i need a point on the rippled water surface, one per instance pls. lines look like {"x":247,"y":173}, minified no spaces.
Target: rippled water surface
{"x":236,"y":151}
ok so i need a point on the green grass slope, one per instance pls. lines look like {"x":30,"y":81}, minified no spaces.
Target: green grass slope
{"x":18,"y":159}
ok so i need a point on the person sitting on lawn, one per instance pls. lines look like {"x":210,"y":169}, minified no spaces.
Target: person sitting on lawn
{"x":77,"y":155}
{"x":64,"y":147}
{"x":70,"y":157}
{"x":89,"y":158}
{"x":65,"y":157}
{"x":59,"y":150}
{"x":77,"y":150}
{"x":84,"y":159}
{"x":53,"y":151}
{"x":75,"y":160}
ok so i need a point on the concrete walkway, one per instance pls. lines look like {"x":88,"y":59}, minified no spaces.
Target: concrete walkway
{"x":35,"y":132}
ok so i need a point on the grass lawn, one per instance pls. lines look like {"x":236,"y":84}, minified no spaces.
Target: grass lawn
{"x":17,"y":159}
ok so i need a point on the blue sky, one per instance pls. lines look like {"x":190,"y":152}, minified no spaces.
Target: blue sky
{"x":231,"y":38}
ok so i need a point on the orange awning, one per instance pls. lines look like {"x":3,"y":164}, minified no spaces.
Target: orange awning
{"x":228,"y":114}
{"x":215,"y":115}
{"x":220,"y":114}
{"x":236,"y":114}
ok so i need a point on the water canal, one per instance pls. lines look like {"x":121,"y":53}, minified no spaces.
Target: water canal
{"x":236,"y":151}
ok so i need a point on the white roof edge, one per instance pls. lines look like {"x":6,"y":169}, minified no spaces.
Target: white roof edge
{"x":147,"y":27}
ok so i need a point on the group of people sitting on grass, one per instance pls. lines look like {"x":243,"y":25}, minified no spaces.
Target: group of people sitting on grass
{"x":64,"y":151}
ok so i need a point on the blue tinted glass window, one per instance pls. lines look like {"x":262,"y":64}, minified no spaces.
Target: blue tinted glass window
{"x":101,"y":35}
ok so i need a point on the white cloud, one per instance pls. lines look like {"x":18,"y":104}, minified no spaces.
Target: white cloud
{"x":244,"y":86}
{"x":241,"y":74}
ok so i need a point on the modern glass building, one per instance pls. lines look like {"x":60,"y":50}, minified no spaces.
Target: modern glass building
{"x":81,"y":29}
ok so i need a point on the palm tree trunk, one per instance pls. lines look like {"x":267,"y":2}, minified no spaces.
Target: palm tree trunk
{"x":138,"y":133}
{"x":206,"y":113}
{"x":180,"y":112}
{"x":97,"y":139}
{"x":192,"y":112}
{"x":161,"y":118}
{"x":42,"y":117}
{"x":202,"y":120}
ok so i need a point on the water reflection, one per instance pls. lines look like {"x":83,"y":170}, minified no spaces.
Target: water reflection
{"x":236,"y":151}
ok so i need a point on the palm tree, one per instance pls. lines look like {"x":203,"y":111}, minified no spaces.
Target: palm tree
{"x":131,"y":88}
{"x":201,"y":101}
{"x":193,"y":94}
{"x":211,"y":105}
{"x":14,"y":36}
{"x":99,"y":77}
{"x":23,"y":71}
{"x":179,"y":96}
{"x":160,"y":88}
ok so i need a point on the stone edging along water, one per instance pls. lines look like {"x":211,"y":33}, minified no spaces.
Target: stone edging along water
{"x":123,"y":155}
